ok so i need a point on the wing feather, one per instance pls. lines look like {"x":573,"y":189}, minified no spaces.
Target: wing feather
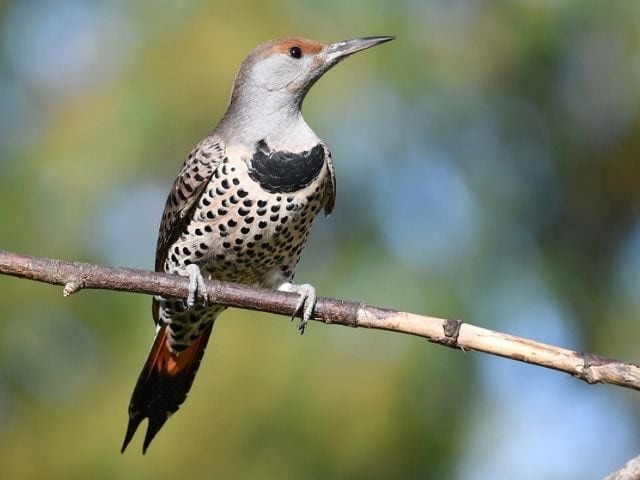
{"x":183,"y":199}
{"x":330,"y":191}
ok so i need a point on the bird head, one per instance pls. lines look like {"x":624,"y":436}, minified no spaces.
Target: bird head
{"x":275,"y":77}
{"x":285,"y":69}
{"x":293,"y":65}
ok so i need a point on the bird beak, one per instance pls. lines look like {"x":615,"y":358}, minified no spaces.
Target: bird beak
{"x":337,"y":51}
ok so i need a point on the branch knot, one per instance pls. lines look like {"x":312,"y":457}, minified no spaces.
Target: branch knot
{"x":451,"y":329}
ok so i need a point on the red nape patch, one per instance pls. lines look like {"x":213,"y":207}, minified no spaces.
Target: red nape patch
{"x":307,"y":46}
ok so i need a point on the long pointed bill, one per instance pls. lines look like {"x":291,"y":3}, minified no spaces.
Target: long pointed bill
{"x":337,"y":51}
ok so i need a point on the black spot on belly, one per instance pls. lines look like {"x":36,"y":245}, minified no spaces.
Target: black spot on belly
{"x":285,"y":172}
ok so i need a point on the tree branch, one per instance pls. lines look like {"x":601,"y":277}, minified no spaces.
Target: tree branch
{"x":451,"y":333}
{"x":629,"y":471}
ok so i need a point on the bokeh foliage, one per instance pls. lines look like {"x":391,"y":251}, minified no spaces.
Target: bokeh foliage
{"x":488,"y":168}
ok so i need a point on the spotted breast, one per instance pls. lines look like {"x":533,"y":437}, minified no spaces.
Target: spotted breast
{"x":249,"y":224}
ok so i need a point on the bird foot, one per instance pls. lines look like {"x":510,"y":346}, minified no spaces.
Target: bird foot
{"x":196,"y":284}
{"x":306,"y":302}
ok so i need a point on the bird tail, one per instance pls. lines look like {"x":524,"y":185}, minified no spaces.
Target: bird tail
{"x":163,"y":384}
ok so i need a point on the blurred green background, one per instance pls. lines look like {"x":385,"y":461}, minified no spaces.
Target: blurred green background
{"x":488,"y":166}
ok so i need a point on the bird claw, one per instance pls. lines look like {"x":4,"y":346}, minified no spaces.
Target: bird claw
{"x":196,"y":284}
{"x":306,"y":302}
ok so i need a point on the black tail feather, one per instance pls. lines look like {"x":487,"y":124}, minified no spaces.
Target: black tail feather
{"x":163,"y":384}
{"x":134,"y":422}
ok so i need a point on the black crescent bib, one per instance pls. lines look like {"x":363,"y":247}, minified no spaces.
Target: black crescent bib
{"x":285,"y":172}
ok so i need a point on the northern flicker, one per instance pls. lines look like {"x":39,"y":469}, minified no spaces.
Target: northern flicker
{"x":240,"y":210}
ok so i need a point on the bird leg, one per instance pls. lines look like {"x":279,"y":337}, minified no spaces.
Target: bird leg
{"x":196,"y":283}
{"x":306,"y":302}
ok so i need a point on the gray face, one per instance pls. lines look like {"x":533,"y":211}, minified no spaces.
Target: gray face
{"x":276,"y":75}
{"x":282,"y":72}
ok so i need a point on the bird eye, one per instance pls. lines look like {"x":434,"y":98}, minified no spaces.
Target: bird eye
{"x":295,"y":52}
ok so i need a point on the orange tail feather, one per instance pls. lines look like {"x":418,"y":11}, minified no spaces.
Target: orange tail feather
{"x":163,"y":384}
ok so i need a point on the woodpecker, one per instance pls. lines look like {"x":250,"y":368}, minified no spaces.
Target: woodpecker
{"x":240,"y":210}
